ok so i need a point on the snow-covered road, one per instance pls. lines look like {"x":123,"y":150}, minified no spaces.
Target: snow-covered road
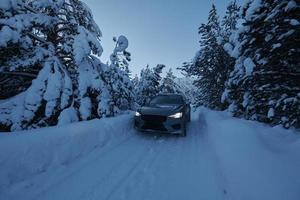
{"x":245,"y":161}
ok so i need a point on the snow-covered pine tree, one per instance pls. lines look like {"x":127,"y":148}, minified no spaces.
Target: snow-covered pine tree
{"x":230,"y":20}
{"x":120,"y":57}
{"x":229,"y":27}
{"x":168,"y":84}
{"x":117,"y":77}
{"x":79,"y":48}
{"x":186,"y":68}
{"x":187,"y":88}
{"x":265,"y":85}
{"x":135,"y":82}
{"x":149,"y":84}
{"x":25,"y":31}
{"x":63,"y":39}
{"x":211,"y":63}
{"x":156,"y":78}
{"x":22,"y":50}
{"x":141,"y":87}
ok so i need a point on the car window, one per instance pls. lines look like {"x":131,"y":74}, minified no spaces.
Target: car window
{"x":166,"y":100}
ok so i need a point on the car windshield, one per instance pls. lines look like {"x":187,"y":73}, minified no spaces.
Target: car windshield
{"x":176,"y":99}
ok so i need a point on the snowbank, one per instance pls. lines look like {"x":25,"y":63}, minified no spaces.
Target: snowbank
{"x":257,"y":161}
{"x":221,"y":157}
{"x":28,"y":153}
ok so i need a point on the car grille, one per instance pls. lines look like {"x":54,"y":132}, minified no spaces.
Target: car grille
{"x":153,"y":126}
{"x":154,"y":118}
{"x":154,"y":122}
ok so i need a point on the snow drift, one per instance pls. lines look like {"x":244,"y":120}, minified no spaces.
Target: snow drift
{"x":257,"y":161}
{"x":28,"y":153}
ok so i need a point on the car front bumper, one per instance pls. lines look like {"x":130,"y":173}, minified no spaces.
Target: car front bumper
{"x":159,"y":124}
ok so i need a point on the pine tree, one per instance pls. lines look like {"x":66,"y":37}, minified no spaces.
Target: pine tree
{"x":142,"y":88}
{"x":168,"y":84}
{"x":230,"y":20}
{"x":265,"y":85}
{"x":117,"y":77}
{"x":22,"y":51}
{"x":120,"y":57}
{"x":61,"y":42}
{"x":149,"y":84}
{"x":187,"y":88}
{"x":211,"y":63}
{"x":156,"y":77}
{"x":186,"y":68}
{"x":135,"y":82}
{"x":229,"y":27}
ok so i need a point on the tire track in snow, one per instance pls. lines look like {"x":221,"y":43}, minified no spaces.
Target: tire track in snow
{"x":223,"y":183}
{"x":139,"y":163}
{"x":171,"y":156}
{"x":140,"y":179}
{"x":119,"y":172}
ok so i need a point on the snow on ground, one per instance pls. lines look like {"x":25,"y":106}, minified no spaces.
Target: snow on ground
{"x":29,"y":153}
{"x":221,"y":158}
{"x":258,"y":162}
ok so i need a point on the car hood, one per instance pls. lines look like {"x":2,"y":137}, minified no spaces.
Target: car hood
{"x":164,"y":110}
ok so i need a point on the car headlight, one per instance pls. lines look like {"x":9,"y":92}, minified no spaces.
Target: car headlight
{"x":137,"y":114}
{"x":176,"y":115}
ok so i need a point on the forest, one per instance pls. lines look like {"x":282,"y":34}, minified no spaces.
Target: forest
{"x":51,"y":71}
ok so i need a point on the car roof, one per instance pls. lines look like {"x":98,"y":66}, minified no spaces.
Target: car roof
{"x":171,"y":94}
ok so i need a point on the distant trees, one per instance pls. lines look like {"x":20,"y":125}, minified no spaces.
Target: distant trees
{"x":149,"y":84}
{"x":56,"y":44}
{"x":168,"y":84}
{"x":212,"y":63}
{"x":185,"y":85}
{"x":260,"y":78}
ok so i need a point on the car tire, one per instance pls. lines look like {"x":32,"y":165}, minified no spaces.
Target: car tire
{"x":189,"y":117}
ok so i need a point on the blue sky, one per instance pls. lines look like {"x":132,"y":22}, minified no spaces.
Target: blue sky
{"x":159,"y":31}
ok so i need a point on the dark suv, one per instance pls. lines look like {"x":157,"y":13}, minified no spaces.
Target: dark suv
{"x":167,"y":113}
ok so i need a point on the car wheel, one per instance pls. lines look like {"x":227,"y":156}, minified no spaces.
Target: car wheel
{"x":188,"y":117}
